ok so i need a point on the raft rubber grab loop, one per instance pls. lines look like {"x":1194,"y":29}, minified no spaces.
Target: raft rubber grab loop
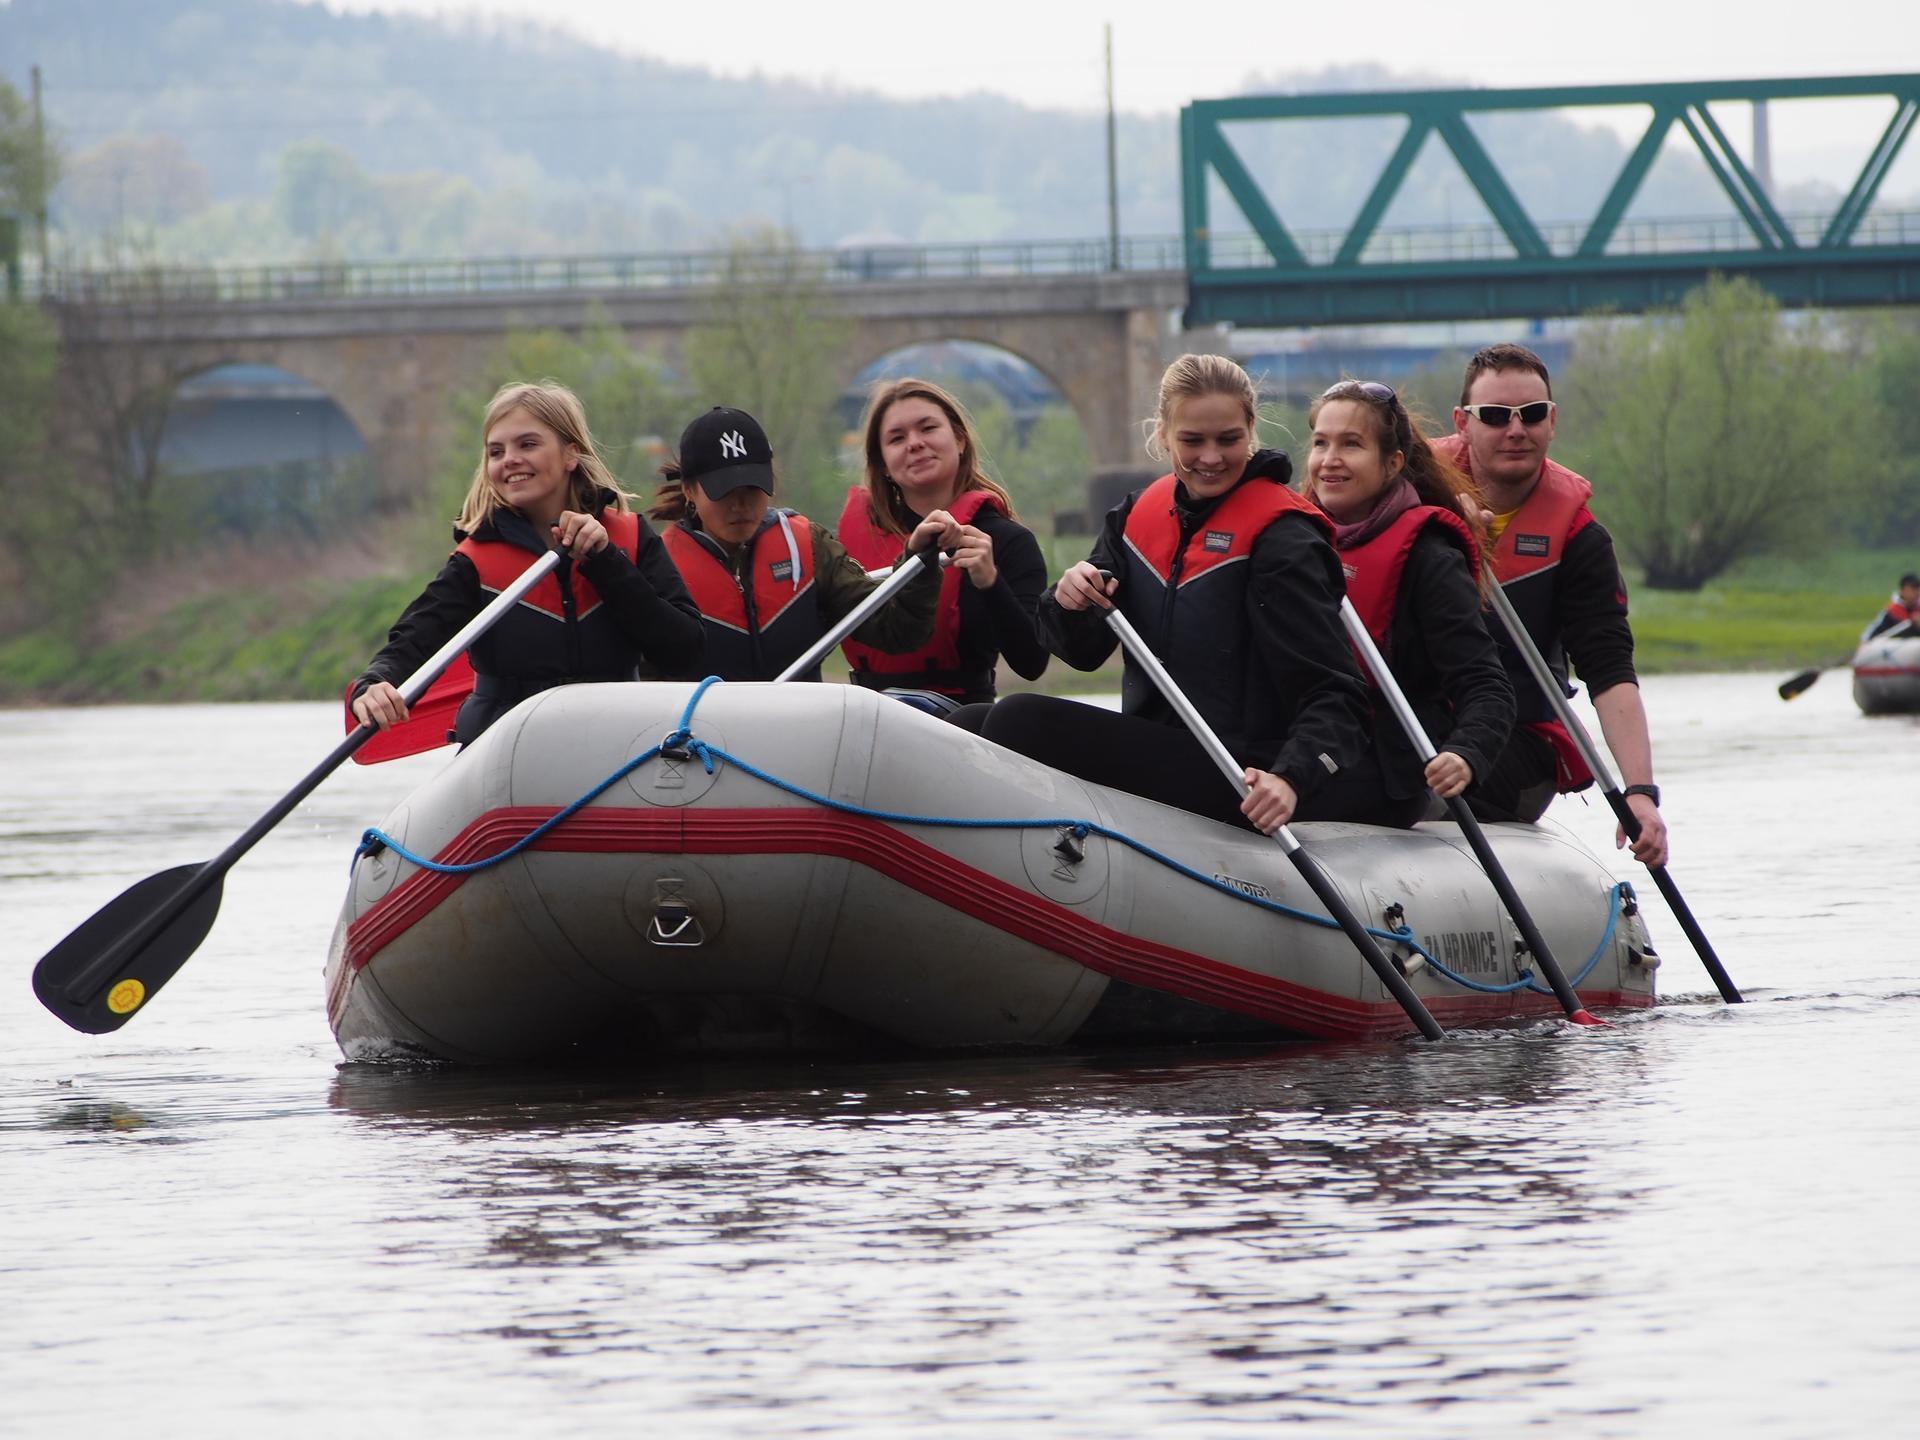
{"x":675,"y":926}
{"x":682,"y":740}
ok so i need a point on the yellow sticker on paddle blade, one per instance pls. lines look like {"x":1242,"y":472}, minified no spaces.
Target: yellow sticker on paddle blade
{"x":126,"y":997}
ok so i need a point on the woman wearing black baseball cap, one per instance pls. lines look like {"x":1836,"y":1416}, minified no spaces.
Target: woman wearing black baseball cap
{"x":769,"y":582}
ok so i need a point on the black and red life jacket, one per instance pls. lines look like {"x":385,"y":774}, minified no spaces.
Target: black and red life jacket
{"x":1525,"y":562}
{"x":1374,"y":567}
{"x":1186,"y":593}
{"x":937,"y":664}
{"x":759,"y":606}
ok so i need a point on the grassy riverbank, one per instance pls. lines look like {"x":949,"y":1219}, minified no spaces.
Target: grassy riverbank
{"x":303,"y":638}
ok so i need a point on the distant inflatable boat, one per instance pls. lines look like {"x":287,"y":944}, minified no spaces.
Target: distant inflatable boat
{"x":815,"y":868}
{"x":1886,"y":676}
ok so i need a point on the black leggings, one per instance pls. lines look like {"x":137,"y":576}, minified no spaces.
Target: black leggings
{"x":1145,"y":757}
{"x":1521,"y":784}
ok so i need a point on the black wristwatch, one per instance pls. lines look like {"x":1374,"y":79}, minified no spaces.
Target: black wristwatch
{"x":1652,"y":792}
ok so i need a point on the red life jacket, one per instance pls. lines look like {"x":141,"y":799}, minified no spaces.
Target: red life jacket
{"x":764,"y":620}
{"x":1374,"y":568}
{"x":594,"y":647}
{"x":1185,"y":591}
{"x":1524,"y":562}
{"x":500,"y":563}
{"x":935,"y":665}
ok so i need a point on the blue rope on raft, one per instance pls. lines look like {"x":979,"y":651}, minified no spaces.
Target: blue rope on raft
{"x":681,"y":739}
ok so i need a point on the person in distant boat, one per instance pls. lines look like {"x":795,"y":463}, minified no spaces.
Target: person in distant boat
{"x":1556,"y":565}
{"x":922,"y":456}
{"x":1231,"y":578}
{"x":1409,"y":532}
{"x":769,"y":582}
{"x":1902,"y":609}
{"x":614,"y":603}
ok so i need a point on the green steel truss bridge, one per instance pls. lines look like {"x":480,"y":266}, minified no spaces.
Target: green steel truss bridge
{"x":1269,"y":275}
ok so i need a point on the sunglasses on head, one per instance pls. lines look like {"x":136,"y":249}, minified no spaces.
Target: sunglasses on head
{"x":1532,"y":413}
{"x":1371,"y":389}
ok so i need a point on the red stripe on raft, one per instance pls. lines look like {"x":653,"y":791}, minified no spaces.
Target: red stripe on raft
{"x":938,"y":876}
{"x":1878,"y":671}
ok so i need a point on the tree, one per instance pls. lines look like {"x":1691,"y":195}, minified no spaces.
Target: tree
{"x":42,"y":573}
{"x":132,"y":179}
{"x":633,"y":406}
{"x":1716,"y":431}
{"x":29,"y":169}
{"x":1891,"y":372}
{"x":771,"y":345}
{"x":1055,"y":461}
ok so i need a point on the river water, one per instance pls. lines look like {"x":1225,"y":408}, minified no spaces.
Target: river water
{"x":1700,"y":1219}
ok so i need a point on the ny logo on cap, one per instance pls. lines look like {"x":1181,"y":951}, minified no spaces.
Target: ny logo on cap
{"x":733,"y":445}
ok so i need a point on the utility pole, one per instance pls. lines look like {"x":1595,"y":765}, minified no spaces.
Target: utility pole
{"x":40,"y":186}
{"x":1113,"y":166}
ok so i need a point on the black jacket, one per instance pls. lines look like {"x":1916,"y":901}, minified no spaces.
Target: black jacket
{"x":1446,"y":662}
{"x":1302,"y":679}
{"x":645,"y":615}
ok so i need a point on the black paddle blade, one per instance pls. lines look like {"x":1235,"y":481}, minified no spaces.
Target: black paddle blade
{"x":100,"y":976}
{"x":1794,"y":684}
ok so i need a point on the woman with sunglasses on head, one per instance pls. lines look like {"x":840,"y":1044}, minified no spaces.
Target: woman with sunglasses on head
{"x":1231,"y":578}
{"x":769,"y":582}
{"x":614,"y":604}
{"x":1408,"y":528}
{"x":922,"y":457}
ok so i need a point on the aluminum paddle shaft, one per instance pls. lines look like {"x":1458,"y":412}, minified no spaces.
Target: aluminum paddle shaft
{"x":1464,"y":817}
{"x":903,"y":575}
{"x":1549,"y":685}
{"x":1317,"y":879}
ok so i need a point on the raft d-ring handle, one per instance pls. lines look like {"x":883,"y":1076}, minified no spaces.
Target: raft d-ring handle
{"x":685,"y":931}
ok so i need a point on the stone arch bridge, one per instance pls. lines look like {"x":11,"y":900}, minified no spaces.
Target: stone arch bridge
{"x":391,"y":361}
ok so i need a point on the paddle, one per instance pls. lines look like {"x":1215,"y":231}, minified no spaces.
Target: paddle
{"x":1795,"y":684}
{"x":929,"y":557}
{"x":1603,"y":775}
{"x":1317,"y":879}
{"x":1464,"y":817}
{"x":100,"y":976}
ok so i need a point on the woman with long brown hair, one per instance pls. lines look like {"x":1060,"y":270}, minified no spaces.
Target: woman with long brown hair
{"x":921,"y":457}
{"x":1409,"y":533}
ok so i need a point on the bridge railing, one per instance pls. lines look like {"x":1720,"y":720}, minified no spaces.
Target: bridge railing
{"x":880,"y":263}
{"x":397,"y":279}
{"x":1436,"y":244}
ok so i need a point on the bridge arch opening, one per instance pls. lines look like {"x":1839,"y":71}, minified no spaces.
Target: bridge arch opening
{"x":250,"y":450}
{"x":1032,"y":436}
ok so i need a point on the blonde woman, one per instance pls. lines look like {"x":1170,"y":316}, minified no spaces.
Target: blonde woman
{"x":615,"y":601}
{"x":1232,"y":579}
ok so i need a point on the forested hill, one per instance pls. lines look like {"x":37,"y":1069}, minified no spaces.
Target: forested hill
{"x":265,"y":129}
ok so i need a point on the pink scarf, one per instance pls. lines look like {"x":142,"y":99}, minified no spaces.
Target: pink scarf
{"x":1394,"y":501}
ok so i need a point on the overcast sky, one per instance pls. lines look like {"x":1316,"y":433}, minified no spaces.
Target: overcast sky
{"x":1048,"y":52}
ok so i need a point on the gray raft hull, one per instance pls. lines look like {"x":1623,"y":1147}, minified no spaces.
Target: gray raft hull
{"x":687,"y":910}
{"x":1886,"y":676}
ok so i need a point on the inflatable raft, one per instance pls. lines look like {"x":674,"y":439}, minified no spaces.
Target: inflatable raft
{"x":1886,"y":675}
{"x":640,"y":870}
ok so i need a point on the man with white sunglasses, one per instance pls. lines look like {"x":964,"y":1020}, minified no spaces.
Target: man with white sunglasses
{"x":1556,"y":564}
